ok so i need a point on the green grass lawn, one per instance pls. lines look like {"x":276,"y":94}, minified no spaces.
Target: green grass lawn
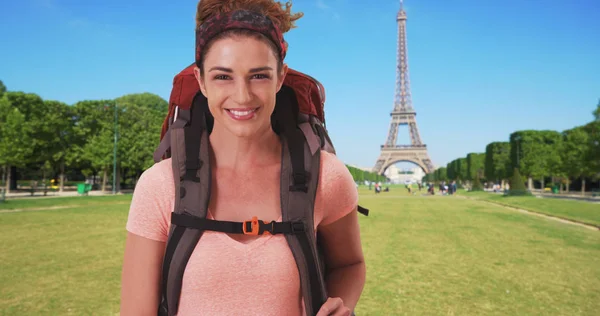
{"x":580,"y":211}
{"x":426,"y":255}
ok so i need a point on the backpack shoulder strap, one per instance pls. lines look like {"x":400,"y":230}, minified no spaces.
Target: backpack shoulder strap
{"x":299,"y":179}
{"x":191,"y":174}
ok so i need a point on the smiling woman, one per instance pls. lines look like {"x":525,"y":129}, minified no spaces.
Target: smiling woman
{"x":240,"y":85}
{"x":262,"y":163}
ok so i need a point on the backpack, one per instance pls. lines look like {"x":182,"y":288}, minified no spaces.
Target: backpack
{"x":299,"y":119}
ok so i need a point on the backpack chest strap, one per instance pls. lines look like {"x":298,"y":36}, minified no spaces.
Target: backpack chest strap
{"x":250,"y":227}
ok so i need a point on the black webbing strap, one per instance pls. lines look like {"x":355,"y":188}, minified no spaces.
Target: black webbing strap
{"x":295,"y":138}
{"x":313,"y":273}
{"x":299,"y":174}
{"x":363,"y":210}
{"x":170,"y":251}
{"x":253,"y":226}
{"x":192,"y":134}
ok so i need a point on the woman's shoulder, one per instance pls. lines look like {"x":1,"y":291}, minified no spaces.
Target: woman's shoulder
{"x":156,"y":175}
{"x":152,"y":202}
{"x":333,"y":169}
{"x":336,"y":194}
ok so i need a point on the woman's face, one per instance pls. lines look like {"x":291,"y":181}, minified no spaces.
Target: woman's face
{"x":240,"y":82}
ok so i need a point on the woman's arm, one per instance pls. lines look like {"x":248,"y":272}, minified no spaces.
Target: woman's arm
{"x":140,"y":279}
{"x":344,"y":258}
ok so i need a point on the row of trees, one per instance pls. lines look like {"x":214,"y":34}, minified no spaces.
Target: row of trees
{"x":360,"y":175}
{"x":42,"y":139}
{"x":541,"y":155}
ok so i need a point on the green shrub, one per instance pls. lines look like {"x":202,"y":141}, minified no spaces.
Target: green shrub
{"x":517,"y":186}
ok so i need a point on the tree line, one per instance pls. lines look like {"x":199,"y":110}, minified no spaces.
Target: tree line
{"x":361,"y":176}
{"x":47,"y":139}
{"x":539,"y":155}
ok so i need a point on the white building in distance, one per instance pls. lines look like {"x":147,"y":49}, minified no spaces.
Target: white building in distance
{"x":397,"y":175}
{"x":405,"y":175}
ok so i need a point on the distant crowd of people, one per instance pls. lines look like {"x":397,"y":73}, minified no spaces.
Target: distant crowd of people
{"x":445,"y":188}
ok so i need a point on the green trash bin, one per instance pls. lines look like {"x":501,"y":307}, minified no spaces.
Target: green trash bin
{"x":2,"y":195}
{"x":555,"y":189}
{"x":82,"y":188}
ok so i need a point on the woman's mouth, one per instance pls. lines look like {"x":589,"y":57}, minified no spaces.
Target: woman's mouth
{"x":241,"y":114}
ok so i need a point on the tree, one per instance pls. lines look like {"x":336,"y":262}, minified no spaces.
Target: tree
{"x":15,"y":139}
{"x":94,"y":137}
{"x":475,"y":165}
{"x":2,"y":88}
{"x":450,"y":170}
{"x":58,"y":135}
{"x":441,"y":174}
{"x":536,"y":154}
{"x":593,"y":151}
{"x":497,"y":161}
{"x":30,"y":107}
{"x":139,"y":135}
{"x":462,"y":169}
{"x":596,"y":112}
{"x":574,"y":152}
{"x":144,"y":100}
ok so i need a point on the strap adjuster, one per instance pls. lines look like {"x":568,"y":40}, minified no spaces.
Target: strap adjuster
{"x":298,"y":227}
{"x":256,"y":225}
{"x":299,"y":181}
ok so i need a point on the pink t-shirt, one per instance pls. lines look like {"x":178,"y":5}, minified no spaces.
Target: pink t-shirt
{"x":226,"y":277}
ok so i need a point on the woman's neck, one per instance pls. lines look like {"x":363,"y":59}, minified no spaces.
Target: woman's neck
{"x":239,"y":153}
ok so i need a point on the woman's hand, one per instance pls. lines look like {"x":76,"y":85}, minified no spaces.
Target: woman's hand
{"x":334,"y":306}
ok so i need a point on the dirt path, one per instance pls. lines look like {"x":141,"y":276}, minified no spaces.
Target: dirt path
{"x":49,"y":208}
{"x":554,"y":218}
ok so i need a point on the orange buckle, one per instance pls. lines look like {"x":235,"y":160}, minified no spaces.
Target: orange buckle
{"x":255,"y":227}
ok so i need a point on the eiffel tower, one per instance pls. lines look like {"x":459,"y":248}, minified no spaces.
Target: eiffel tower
{"x":403,"y":114}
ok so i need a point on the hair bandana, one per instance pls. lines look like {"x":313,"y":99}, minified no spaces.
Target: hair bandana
{"x":239,"y":19}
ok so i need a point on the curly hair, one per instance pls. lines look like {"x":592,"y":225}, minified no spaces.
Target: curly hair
{"x":282,"y":17}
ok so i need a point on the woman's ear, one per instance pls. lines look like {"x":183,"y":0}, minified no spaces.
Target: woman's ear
{"x":284,"y":70}
{"x":200,"y":80}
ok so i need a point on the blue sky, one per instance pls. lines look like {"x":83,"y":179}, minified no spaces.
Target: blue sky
{"x":479,"y":70}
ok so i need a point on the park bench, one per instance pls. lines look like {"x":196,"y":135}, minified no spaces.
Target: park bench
{"x":595,"y":192}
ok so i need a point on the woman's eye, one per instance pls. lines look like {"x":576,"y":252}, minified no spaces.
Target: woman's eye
{"x":260,"y":76}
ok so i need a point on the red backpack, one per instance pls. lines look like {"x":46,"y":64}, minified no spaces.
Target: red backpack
{"x":299,"y":119}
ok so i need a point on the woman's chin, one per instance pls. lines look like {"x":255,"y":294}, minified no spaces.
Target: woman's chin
{"x":246,"y":131}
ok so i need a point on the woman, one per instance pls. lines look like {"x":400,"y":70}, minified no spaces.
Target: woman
{"x":240,"y":74}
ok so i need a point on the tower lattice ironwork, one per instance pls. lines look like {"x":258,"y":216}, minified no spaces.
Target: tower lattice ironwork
{"x":403,"y":113}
